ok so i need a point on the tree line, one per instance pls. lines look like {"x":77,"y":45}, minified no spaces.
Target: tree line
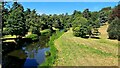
{"x":17,"y":21}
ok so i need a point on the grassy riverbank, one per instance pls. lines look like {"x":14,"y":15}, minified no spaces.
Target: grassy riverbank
{"x":50,"y":60}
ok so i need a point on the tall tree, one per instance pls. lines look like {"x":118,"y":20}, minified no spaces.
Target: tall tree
{"x":28,"y":18}
{"x":5,"y":14}
{"x":16,"y":21}
{"x":114,"y":27}
{"x":36,"y":22}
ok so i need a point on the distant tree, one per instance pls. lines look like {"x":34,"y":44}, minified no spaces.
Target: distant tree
{"x":94,"y":15}
{"x":115,"y":13}
{"x":105,"y":14}
{"x":86,"y":13}
{"x":106,"y":9}
{"x":103,"y":18}
{"x":79,"y":21}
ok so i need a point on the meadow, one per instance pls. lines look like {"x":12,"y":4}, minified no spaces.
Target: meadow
{"x":76,"y":51}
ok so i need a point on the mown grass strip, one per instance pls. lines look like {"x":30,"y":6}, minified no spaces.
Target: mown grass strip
{"x":96,"y":51}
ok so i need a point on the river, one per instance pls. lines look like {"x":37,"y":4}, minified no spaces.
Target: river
{"x":29,"y":56}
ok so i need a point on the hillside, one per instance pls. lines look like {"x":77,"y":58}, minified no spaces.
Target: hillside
{"x":76,"y":51}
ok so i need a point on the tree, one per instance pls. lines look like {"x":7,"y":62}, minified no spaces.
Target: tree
{"x":114,"y":29}
{"x":79,"y":21}
{"x":16,"y":21}
{"x":94,"y":15}
{"x":106,"y":9}
{"x":80,"y":28}
{"x":86,"y":14}
{"x":115,"y":13}
{"x":28,"y":18}
{"x":35,"y":23}
{"x":103,"y":17}
{"x":5,"y":14}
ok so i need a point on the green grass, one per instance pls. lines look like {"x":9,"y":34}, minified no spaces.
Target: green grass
{"x":9,"y":36}
{"x":96,"y":51}
{"x":51,"y":59}
{"x":76,"y":51}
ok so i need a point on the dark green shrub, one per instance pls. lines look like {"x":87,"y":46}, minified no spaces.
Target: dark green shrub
{"x":76,"y":31}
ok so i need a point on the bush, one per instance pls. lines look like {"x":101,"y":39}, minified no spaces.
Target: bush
{"x":76,"y":31}
{"x":81,"y":31}
{"x":33,"y":37}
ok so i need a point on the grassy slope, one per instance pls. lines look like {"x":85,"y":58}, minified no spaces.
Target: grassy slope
{"x":76,"y":51}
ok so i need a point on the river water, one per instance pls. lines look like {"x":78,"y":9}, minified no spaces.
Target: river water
{"x":29,"y":56}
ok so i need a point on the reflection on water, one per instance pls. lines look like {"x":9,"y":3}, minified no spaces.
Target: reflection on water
{"x":29,"y":56}
{"x":35,"y":54}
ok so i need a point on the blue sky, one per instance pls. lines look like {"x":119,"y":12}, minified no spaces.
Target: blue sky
{"x":63,"y":7}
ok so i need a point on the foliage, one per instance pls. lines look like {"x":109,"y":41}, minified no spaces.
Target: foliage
{"x":86,"y":13}
{"x":79,"y":21}
{"x":76,"y":31}
{"x":35,"y":22}
{"x":51,"y":59}
{"x":46,"y":32}
{"x":114,"y":29}
{"x":16,"y":21}
{"x":33,"y":37}
{"x":87,"y":28}
{"x":114,"y":21}
{"x":114,"y":13}
{"x":66,"y":29}
{"x":106,"y":9}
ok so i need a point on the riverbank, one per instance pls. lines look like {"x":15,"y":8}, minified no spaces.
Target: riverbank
{"x":50,"y":60}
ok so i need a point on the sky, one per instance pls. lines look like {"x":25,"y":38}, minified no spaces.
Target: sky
{"x":66,"y":7}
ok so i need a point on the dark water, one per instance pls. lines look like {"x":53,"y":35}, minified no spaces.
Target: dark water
{"x":29,"y":56}
{"x":35,"y":54}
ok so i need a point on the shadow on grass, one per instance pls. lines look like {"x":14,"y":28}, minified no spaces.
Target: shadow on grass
{"x":95,"y":37}
{"x":87,"y":37}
